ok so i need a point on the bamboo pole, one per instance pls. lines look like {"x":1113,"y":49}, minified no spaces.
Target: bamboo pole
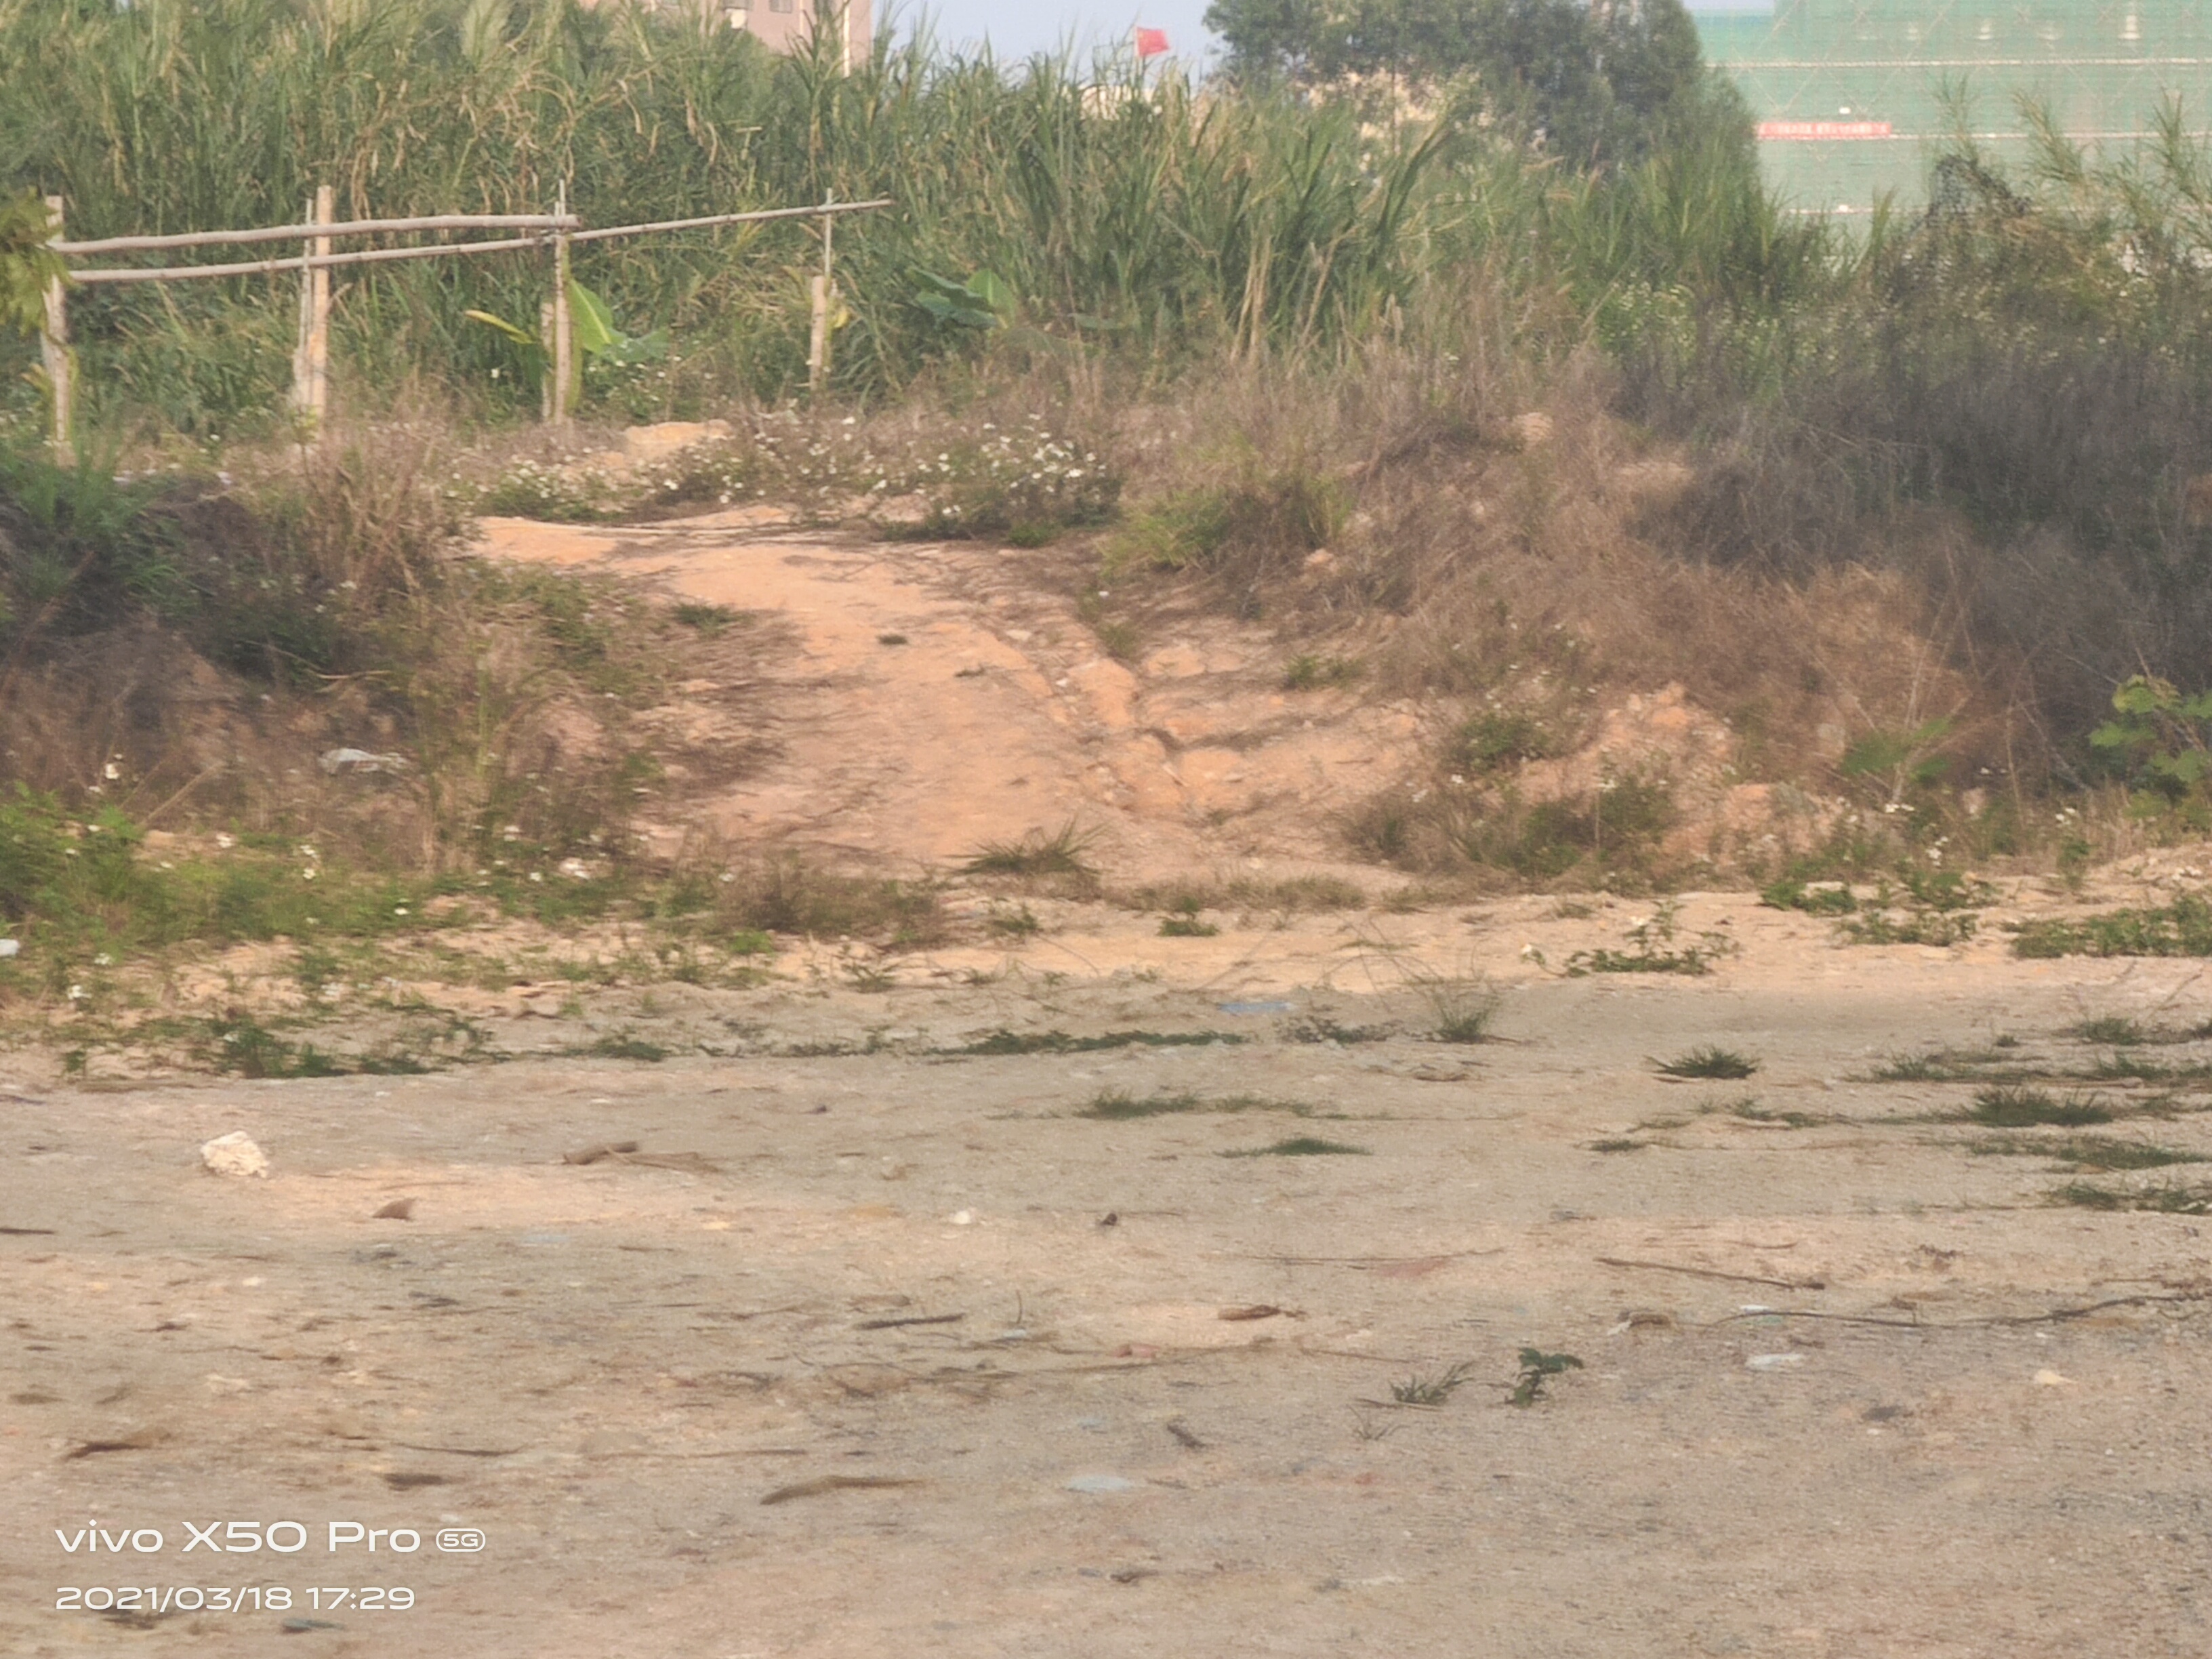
{"x":266,"y":267}
{"x":564,"y":344}
{"x":54,"y":352}
{"x":732,"y":219}
{"x":311,"y":362}
{"x":293,"y":233}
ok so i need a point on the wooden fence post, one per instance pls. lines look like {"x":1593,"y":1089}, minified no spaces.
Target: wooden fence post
{"x":563,"y":345}
{"x":311,"y":359}
{"x":819,"y":293}
{"x":53,"y":348}
{"x":545,"y":381}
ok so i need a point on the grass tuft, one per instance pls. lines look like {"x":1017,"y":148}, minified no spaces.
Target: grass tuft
{"x":1038,"y":855}
{"x":2023,"y":1109}
{"x":1724,"y":1065}
{"x":1304,"y":1147}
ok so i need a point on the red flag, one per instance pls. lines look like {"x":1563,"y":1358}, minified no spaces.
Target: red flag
{"x":1151,"y":43}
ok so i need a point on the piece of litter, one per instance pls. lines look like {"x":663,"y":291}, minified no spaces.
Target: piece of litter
{"x":1254,"y":1007}
{"x":1101,"y":1483}
{"x":235,"y":1154}
{"x":1754,"y":1308}
{"x":8,"y":947}
{"x":963,"y":1218}
{"x":1773,"y":1362}
{"x":2051,"y":1379}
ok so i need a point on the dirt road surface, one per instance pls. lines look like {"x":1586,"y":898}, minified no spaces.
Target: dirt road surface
{"x":893,"y":1336}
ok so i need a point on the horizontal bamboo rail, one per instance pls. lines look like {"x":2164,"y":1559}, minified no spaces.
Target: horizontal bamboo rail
{"x":826,"y":209}
{"x":259,"y":267}
{"x":296,"y":233}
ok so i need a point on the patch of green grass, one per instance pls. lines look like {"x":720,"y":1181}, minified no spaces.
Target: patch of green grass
{"x":1020,"y":922}
{"x":1462,"y":1007}
{"x":622,"y":1045}
{"x":1708,"y":1062}
{"x":244,"y":1046}
{"x":707,"y":619}
{"x":1932,"y":927}
{"x":2089,"y":1152}
{"x":1822,"y":899}
{"x":2021,"y":1109}
{"x":1496,"y":738}
{"x":1061,"y":853}
{"x":1060,"y":1043}
{"x":2159,"y":1200}
{"x":1117,"y":1105}
{"x":1317,"y":1029}
{"x":1304,"y":1147}
{"x":1654,"y":949}
{"x":1306,"y":673}
{"x":2182,"y":928}
{"x":1422,"y":1390}
{"x":1186,"y":923}
{"x":1751,"y":1111}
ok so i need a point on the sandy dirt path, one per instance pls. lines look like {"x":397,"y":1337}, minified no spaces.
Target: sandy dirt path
{"x":1836,"y":1396}
{"x":939,"y":697}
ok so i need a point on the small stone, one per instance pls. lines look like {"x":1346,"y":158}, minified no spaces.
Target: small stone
{"x":1773,"y":1362}
{"x":9,"y":947}
{"x":400,"y":1209}
{"x":963,"y":1218}
{"x":2051,"y":1379}
{"x":235,"y":1154}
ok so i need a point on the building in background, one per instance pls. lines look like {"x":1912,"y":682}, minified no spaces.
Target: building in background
{"x":1852,"y":97}
{"x":784,"y":24}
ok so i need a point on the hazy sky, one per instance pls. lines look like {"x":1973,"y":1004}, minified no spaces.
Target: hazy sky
{"x":1015,"y":29}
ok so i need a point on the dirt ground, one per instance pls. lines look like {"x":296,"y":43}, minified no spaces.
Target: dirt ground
{"x":1836,"y":1396}
{"x":1055,"y":1295}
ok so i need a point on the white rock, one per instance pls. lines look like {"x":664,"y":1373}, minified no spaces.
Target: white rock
{"x":235,"y":1154}
{"x":8,"y":947}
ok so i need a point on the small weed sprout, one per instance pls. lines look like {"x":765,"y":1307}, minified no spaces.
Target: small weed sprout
{"x":1723,"y":1065}
{"x":1538,"y":1368}
{"x":1419,"y":1390}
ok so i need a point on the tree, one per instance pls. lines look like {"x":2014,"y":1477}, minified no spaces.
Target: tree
{"x":1609,"y":81}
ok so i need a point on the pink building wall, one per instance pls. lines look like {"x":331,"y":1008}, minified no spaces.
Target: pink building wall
{"x":782,"y":25}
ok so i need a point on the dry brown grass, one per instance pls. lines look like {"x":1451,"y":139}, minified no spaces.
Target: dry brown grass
{"x":1515,"y":561}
